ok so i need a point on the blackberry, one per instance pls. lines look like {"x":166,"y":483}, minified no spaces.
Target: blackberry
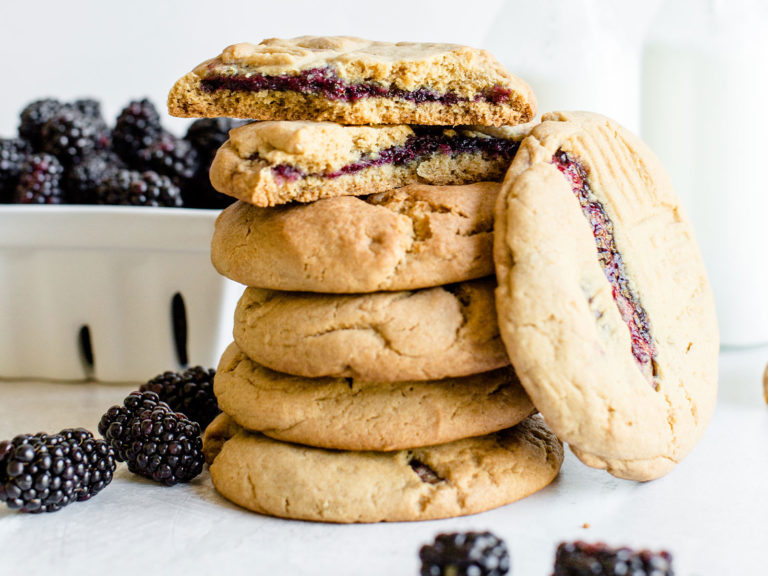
{"x":99,"y":461}
{"x":189,"y":392}
{"x":207,"y":135}
{"x":584,"y":559}
{"x":155,"y":441}
{"x":34,"y":117}
{"x":13,"y":152}
{"x":84,"y":179}
{"x":40,"y":473}
{"x":89,"y":107}
{"x":170,"y":156}
{"x":40,"y":181}
{"x":138,"y":189}
{"x":136,"y":128}
{"x":465,"y":554}
{"x":71,"y":136}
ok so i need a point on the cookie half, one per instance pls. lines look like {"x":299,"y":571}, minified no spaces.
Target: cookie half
{"x":603,"y":300}
{"x":273,"y":163}
{"x":354,"y":81}
{"x":455,"y":479}
{"x":355,"y":414}
{"x":413,"y":237}
{"x":426,"y":334}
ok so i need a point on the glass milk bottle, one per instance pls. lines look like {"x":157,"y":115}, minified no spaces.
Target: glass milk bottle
{"x":705,"y":93}
{"x":575,"y":54}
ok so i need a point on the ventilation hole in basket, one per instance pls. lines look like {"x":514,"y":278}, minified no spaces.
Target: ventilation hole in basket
{"x":179,"y":320}
{"x":86,"y":349}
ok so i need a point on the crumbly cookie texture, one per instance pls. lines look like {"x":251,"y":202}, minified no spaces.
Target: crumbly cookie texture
{"x":354,"y":81}
{"x":413,"y":237}
{"x":426,"y":334}
{"x":567,"y":339}
{"x":272,"y":163}
{"x":355,"y":414}
{"x":454,"y":479}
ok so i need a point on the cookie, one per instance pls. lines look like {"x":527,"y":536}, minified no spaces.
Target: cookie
{"x":455,"y":479}
{"x":413,"y":237}
{"x":354,"y":81}
{"x":603,"y":301}
{"x":354,"y":414}
{"x":273,"y":163}
{"x":385,"y":336}
{"x":221,"y":429}
{"x":765,"y":384}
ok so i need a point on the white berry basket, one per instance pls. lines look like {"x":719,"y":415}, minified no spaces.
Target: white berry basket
{"x":111,"y":293}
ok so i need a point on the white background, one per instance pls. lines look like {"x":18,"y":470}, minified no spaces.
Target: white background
{"x":116,"y":51}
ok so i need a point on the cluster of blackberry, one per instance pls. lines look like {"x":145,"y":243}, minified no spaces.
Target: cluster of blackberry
{"x":44,"y":473}
{"x":483,"y":554}
{"x":66,"y":153}
{"x":157,"y":429}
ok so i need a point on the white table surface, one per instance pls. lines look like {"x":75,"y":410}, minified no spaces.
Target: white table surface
{"x":711,"y":512}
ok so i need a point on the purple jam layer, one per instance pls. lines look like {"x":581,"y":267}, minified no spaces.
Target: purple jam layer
{"x":627,"y":301}
{"x":325,"y":82}
{"x":425,"y":143}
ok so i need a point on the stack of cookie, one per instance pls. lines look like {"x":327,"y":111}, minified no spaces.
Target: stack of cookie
{"x":367,"y":380}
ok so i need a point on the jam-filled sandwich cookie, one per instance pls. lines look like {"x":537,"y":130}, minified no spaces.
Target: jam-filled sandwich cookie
{"x":603,"y":301}
{"x":385,"y":336}
{"x":454,"y":479}
{"x":417,"y":236}
{"x":354,"y":81}
{"x":358,"y":414}
{"x":273,"y":163}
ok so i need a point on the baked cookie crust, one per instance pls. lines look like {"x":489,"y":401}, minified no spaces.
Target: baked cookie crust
{"x":354,"y":81}
{"x":427,"y":334}
{"x":272,"y":163}
{"x":455,"y":479}
{"x":620,"y":358}
{"x":413,"y":237}
{"x":355,"y":414}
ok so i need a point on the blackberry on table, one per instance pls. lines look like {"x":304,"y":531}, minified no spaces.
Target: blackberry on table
{"x":71,"y":136}
{"x":129,"y":187}
{"x":585,"y":559}
{"x":136,"y":128}
{"x":84,"y":179}
{"x":189,"y":392}
{"x":170,"y":156}
{"x":465,"y":554}
{"x":13,"y":152}
{"x":34,"y":116}
{"x":155,"y":441}
{"x":40,"y":473}
{"x":40,"y":181}
{"x":99,"y":458}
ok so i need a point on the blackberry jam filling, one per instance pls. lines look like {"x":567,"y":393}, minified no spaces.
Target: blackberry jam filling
{"x":425,"y":143}
{"x":627,"y":301}
{"x":424,"y":472}
{"x":326,"y":83}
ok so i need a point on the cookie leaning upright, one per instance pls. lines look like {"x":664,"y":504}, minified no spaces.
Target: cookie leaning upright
{"x":603,"y":301}
{"x":354,"y":81}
